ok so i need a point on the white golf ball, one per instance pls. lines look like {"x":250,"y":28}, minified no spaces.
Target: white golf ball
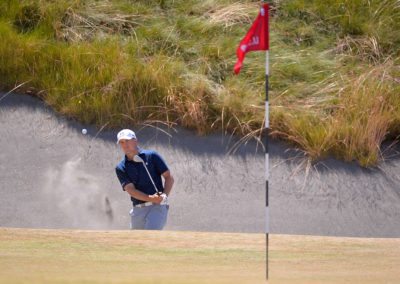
{"x":84,"y":131}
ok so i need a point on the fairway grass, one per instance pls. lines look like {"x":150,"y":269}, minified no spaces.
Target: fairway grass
{"x":313,"y":259}
{"x":73,"y":256}
{"x":77,"y":256}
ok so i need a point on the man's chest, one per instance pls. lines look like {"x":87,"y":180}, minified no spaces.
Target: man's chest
{"x":137,"y":172}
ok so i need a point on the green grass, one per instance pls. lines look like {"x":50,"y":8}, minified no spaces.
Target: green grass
{"x":334,"y":67}
{"x":68,"y":256}
{"x":82,"y":256}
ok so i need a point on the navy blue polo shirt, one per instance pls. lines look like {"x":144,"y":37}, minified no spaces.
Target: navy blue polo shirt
{"x":133,"y":172}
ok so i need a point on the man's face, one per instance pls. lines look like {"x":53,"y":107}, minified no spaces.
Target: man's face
{"x":128,"y":146}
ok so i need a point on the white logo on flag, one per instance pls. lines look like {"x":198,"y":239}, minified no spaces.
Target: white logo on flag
{"x":262,"y":11}
{"x":243,"y":47}
{"x":254,"y":41}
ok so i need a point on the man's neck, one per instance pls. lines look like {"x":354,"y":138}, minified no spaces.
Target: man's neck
{"x":132,"y":154}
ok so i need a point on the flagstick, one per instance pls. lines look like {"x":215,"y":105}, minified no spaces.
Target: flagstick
{"x":266,"y":157}
{"x":267,"y":154}
{"x":267,"y":150}
{"x":251,"y":42}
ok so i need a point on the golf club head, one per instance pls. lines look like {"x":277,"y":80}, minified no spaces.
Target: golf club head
{"x":137,"y":159}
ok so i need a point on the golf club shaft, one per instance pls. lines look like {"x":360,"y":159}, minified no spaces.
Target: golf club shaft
{"x":150,"y":177}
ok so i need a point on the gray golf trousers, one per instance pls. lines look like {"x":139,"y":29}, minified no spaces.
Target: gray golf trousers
{"x":153,"y":217}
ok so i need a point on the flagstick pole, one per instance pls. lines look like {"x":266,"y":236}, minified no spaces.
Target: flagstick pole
{"x":252,"y":37}
{"x":266,"y":158}
{"x":266,"y":125}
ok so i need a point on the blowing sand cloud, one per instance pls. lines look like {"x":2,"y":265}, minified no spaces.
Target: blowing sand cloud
{"x":77,"y":195}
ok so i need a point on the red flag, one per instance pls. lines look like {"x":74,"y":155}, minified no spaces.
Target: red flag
{"x":257,"y":38}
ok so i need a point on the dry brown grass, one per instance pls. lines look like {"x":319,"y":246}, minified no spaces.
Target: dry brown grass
{"x":97,"y":19}
{"x":365,"y":48}
{"x":170,"y":62}
{"x":230,"y":15}
{"x":353,"y":125}
{"x":365,"y":115}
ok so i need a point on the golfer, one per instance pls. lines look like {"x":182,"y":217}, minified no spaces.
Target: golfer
{"x":140,"y":173}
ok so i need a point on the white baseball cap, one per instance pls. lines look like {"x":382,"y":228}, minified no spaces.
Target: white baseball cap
{"x":126,"y":134}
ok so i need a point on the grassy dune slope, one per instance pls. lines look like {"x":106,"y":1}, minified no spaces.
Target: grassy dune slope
{"x":334,"y":74}
{"x":73,"y":256}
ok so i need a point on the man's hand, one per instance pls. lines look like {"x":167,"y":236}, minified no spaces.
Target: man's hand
{"x":164,"y":199}
{"x":155,"y":198}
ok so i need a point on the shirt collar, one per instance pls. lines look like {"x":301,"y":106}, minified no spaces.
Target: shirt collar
{"x":140,"y":151}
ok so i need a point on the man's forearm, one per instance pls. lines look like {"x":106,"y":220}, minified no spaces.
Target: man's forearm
{"x":169,"y":182}
{"x":137,"y":194}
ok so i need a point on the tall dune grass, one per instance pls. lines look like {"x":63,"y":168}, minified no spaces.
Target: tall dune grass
{"x":334,"y":74}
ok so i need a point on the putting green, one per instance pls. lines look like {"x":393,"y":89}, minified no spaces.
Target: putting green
{"x":77,"y":256}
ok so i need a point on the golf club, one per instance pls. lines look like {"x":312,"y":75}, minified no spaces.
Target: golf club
{"x":138,"y":159}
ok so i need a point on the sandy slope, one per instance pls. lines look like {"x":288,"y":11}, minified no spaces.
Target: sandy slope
{"x":52,"y":176}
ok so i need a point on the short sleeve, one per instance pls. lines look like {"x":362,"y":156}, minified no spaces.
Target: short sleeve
{"x":159,"y":163}
{"x":123,"y":177}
